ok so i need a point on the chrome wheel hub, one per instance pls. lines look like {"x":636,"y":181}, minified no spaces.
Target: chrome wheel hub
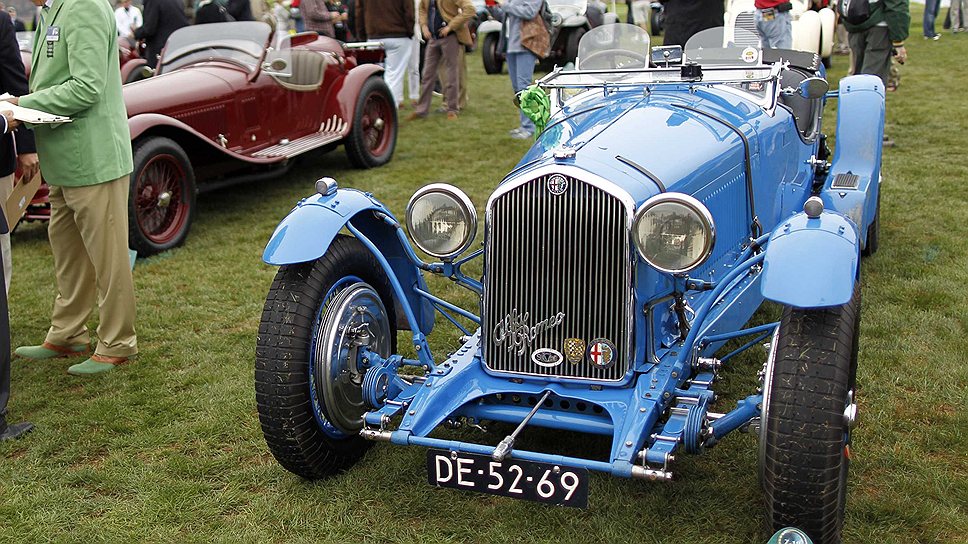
{"x":355,"y":318}
{"x":164,"y":199}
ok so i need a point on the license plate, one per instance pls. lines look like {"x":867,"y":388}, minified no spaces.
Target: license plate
{"x":528,"y":480}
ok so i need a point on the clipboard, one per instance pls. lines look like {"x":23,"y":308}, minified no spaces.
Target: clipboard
{"x":15,"y":206}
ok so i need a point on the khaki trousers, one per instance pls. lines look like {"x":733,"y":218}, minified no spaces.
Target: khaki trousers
{"x":6,"y":187}
{"x":89,"y":239}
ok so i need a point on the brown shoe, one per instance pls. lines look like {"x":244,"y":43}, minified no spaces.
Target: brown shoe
{"x":452,"y":116}
{"x":413,"y":116}
{"x":108,"y":359}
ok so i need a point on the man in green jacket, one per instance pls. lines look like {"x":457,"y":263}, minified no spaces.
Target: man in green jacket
{"x":87,"y":164}
{"x":880,"y":36}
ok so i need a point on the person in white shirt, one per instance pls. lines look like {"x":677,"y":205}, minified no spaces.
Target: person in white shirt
{"x":128,"y":18}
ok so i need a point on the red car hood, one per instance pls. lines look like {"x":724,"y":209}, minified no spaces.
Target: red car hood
{"x":182,"y":89}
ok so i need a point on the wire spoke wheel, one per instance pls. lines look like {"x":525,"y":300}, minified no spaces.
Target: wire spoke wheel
{"x":159,"y":199}
{"x":373,"y":134}
{"x":162,"y":200}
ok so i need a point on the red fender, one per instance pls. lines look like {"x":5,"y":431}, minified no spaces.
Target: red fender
{"x":349,"y":92}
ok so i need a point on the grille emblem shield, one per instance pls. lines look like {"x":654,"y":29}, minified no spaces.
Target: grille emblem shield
{"x":557,"y":184}
{"x":574,"y":350}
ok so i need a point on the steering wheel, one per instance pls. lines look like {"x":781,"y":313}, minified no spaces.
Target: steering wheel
{"x":613,"y":56}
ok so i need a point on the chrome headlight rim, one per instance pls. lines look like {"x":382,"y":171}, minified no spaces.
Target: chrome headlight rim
{"x":467,"y":207}
{"x":694,"y":205}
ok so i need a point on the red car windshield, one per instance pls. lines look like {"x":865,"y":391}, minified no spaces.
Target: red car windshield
{"x":240,"y":43}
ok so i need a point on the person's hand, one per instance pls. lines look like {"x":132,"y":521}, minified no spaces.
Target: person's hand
{"x":444,"y":31}
{"x":15,"y":100}
{"x":900,"y":54}
{"x":426,"y":34}
{"x":29,"y":165}
{"x":11,"y":122}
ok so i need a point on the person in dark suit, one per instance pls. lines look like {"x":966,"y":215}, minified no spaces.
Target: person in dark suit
{"x":13,"y":80}
{"x":240,"y":10}
{"x":161,"y":18}
{"x":18,"y":25}
{"x":683,"y":18}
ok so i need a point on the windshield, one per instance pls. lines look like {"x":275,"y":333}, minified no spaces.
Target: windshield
{"x":240,"y":43}
{"x":615,"y":46}
{"x":724,"y":47}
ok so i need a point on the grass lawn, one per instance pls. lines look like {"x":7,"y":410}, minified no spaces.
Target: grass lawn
{"x":170,"y":449}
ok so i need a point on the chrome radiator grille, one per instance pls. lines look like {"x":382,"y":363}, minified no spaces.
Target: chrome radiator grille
{"x":557,"y":277}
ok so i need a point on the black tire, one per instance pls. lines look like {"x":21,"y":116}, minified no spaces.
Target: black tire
{"x":493,"y":63}
{"x":874,"y":231}
{"x":161,"y":202}
{"x":571,"y":43}
{"x":804,"y":454}
{"x":656,"y":22}
{"x":293,"y":310}
{"x":373,"y":136}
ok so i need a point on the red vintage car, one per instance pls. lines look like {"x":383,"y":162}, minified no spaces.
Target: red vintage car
{"x":230,"y":102}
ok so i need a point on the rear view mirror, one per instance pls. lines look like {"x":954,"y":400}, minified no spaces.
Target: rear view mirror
{"x":813,"y":87}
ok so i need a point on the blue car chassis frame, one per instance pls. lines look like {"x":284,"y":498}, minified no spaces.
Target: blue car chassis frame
{"x":663,"y":409}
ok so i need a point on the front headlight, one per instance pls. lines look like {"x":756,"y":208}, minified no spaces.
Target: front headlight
{"x":673,"y":232}
{"x":442,"y":220}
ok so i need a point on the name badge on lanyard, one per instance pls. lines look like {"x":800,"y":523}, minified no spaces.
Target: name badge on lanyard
{"x":53,"y":35}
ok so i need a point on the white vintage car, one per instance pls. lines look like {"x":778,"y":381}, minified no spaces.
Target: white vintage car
{"x":813,"y":31}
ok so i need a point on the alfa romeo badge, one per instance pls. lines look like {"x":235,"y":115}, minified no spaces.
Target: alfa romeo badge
{"x":557,"y":184}
{"x":601,"y":353}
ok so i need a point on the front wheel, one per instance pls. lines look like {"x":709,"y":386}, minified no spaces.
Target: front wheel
{"x":807,"y":414}
{"x":493,"y":64}
{"x":161,"y":204}
{"x":307,"y":381}
{"x":373,"y":136}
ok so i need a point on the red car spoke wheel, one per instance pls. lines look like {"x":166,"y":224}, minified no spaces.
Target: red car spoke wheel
{"x":161,"y":212}
{"x":376,"y":113}
{"x":162,"y":200}
{"x":373,"y":135}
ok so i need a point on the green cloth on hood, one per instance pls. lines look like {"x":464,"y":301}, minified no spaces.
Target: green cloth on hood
{"x":536,"y":104}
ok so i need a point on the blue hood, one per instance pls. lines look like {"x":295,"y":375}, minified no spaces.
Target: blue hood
{"x":644,"y":142}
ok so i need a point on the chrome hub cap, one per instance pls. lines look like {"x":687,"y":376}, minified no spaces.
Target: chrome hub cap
{"x":164,"y":199}
{"x":355,"y":318}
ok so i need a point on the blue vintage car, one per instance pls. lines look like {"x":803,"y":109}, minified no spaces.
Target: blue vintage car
{"x":671,"y":193}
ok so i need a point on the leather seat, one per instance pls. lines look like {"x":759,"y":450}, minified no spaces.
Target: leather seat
{"x":307,"y":69}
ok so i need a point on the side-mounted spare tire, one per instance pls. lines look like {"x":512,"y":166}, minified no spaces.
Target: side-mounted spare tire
{"x":807,"y":414}
{"x":308,"y":388}
{"x":161,"y":200}
{"x":373,"y":136}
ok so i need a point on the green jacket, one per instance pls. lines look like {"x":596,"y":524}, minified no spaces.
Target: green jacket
{"x":74,"y":72}
{"x":897,"y":13}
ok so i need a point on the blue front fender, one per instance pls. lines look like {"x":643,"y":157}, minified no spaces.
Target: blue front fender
{"x":811,"y":263}
{"x":307,"y":232}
